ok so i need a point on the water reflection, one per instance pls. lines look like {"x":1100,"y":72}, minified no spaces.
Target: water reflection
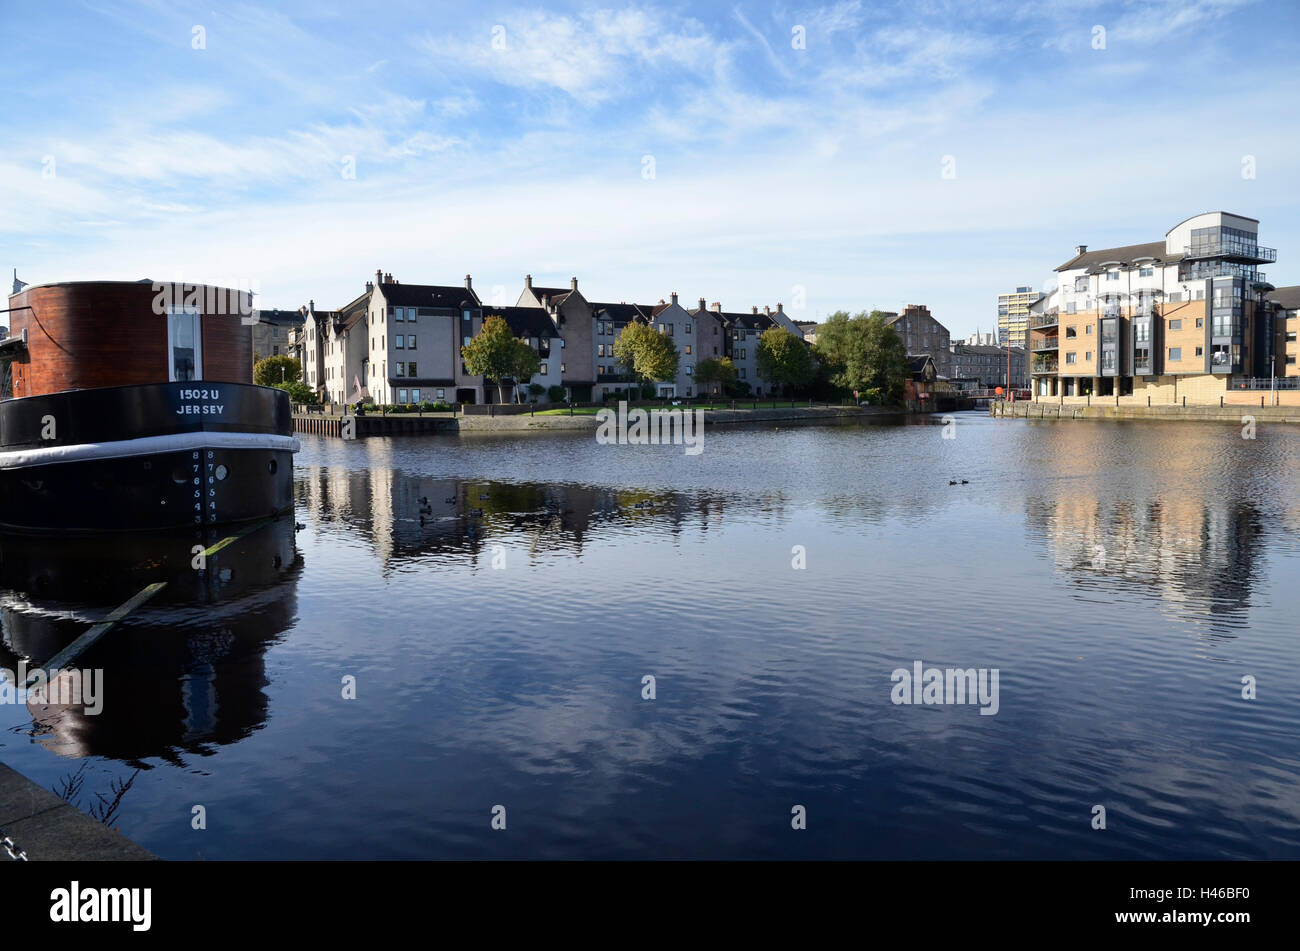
{"x":184,"y":672}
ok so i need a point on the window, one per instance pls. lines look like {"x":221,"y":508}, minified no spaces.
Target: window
{"x":442,"y":394}
{"x":541,"y":370}
{"x":1200,"y":351}
{"x":465,"y":341}
{"x":688,"y":328}
{"x":1071,"y":358}
{"x":415,"y":396}
{"x":1071,"y":333}
{"x":561,"y":367}
{"x":1175,"y":354}
{"x":398,"y":315}
{"x":742,"y":373}
{"x":401,"y":396}
{"x":1112,"y":275}
{"x":1087,"y":355}
{"x":1146,"y":272}
{"x":1088,"y":329}
{"x":670,"y":330}
{"x":275,"y":351}
{"x":688,"y":349}
{"x":184,"y":345}
{"x":410,"y":370}
{"x":742,"y":354}
{"x":410,"y":341}
{"x":399,"y":341}
{"x":688,"y":369}
{"x":1200,"y":322}
{"x":401,"y":369}
{"x":1175,"y":325}
{"x":275,"y":331}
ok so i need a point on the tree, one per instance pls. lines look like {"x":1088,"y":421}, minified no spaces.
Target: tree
{"x":299,"y":392}
{"x":711,"y":370}
{"x":784,"y":359}
{"x":525,"y":364}
{"x":863,"y":352}
{"x":647,"y":354}
{"x":275,"y":370}
{"x":556,"y":393}
{"x":492,"y":353}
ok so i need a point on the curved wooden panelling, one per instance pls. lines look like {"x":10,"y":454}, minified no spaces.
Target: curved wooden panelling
{"x":92,"y":334}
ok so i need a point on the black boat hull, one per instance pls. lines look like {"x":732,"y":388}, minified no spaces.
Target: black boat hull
{"x":183,"y":461}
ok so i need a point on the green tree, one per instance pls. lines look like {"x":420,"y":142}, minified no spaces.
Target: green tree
{"x":784,"y":359}
{"x":862,"y":353}
{"x":647,"y":354}
{"x":492,"y":353}
{"x":275,"y":370}
{"x":524,"y":365}
{"x":556,"y":394}
{"x":712,"y":370}
{"x":299,"y":392}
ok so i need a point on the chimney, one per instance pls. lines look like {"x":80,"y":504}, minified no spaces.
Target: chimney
{"x":1080,"y":248}
{"x":311,"y":307}
{"x":573,"y":283}
{"x":661,"y":300}
{"x":369,"y":286}
{"x":779,"y":309}
{"x":546,"y":300}
{"x":379,"y":278}
{"x":469,"y":283}
{"x":702,"y":304}
{"x":388,"y":278}
{"x":717,"y":307}
{"x":528,"y":281}
{"x":767,"y":310}
{"x":673,"y":296}
{"x":754,"y":309}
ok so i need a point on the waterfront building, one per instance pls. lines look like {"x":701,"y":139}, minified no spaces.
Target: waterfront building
{"x":1184,"y":317}
{"x":1013,"y":316}
{"x":609,"y":320}
{"x":672,"y":319}
{"x":808,"y":328}
{"x":922,"y":335}
{"x":740,"y":338}
{"x":710,"y":330}
{"x":1286,"y":309}
{"x":989,"y":365}
{"x":572,"y":316}
{"x":532,"y":324}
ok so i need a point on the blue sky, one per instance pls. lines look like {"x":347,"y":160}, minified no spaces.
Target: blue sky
{"x":808,"y":176}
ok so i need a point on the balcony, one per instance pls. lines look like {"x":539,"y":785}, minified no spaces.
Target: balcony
{"x":1241,"y":251}
{"x":1045,"y":366}
{"x":1048,"y":343}
{"x":1050,"y":319}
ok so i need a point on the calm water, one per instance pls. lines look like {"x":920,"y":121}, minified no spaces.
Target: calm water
{"x":1122,"y":578}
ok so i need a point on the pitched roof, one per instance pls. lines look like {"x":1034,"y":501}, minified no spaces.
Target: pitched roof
{"x":1288,"y":297}
{"x":556,"y":294}
{"x":524,"y":321}
{"x":453,"y":296}
{"x":620,"y":313}
{"x":750,"y":321}
{"x":1123,"y":255}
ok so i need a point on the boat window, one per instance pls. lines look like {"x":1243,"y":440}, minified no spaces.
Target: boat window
{"x":184,"y":346}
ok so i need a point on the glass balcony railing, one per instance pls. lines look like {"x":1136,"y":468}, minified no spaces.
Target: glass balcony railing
{"x":1048,"y":343}
{"x":1045,"y":366}
{"x":1050,"y":319}
{"x":1233,"y":250}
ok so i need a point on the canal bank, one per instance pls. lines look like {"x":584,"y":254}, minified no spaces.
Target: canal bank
{"x":515,"y":422}
{"x":1097,"y":411}
{"x":45,"y":828}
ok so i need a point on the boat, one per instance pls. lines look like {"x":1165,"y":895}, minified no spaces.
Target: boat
{"x":130,"y":406}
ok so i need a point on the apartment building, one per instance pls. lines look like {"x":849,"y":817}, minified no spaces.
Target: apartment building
{"x":1013,"y":316}
{"x":670,"y":318}
{"x":1286,"y":309}
{"x":1185,"y":317}
{"x":609,"y":322}
{"x":711,"y":342}
{"x":271,"y":333}
{"x":533,"y":325}
{"x":741,"y":332}
{"x":989,"y":365}
{"x":571,"y":313}
{"x":922,"y":335}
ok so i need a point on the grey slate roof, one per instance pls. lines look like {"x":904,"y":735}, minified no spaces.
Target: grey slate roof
{"x":620,"y":313}
{"x":430,"y":295}
{"x":1124,"y":255}
{"x":1288,"y":297}
{"x":524,"y":321}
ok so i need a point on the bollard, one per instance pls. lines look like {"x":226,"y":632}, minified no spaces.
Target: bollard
{"x":1184,"y":402}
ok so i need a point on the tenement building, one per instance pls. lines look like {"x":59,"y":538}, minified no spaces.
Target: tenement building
{"x":922,"y":335}
{"x":1186,"y":317}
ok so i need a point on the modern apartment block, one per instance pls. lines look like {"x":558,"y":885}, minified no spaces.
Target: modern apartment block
{"x":272,"y":332}
{"x":922,"y":335}
{"x":1013,"y":316}
{"x":1185,"y":317}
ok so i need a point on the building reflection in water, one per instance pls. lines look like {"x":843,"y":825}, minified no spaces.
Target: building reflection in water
{"x":1169,"y":532}
{"x":184,"y":672}
{"x":404,"y":516}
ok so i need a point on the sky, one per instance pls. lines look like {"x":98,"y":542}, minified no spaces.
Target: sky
{"x":845,"y":156}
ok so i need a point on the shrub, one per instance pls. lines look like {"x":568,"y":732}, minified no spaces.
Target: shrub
{"x":556,"y":394}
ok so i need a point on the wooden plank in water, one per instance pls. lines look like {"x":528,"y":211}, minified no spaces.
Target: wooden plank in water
{"x":78,"y":647}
